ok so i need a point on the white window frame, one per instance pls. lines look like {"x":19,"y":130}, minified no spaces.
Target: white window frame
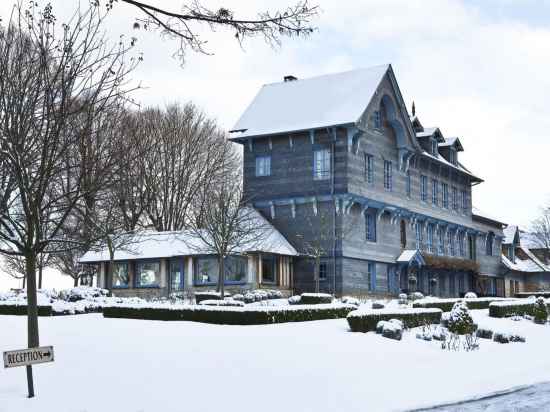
{"x":263,"y":166}
{"x":321,"y":164}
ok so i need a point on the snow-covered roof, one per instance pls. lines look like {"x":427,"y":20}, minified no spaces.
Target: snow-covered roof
{"x":322,"y":101}
{"x":529,"y":241}
{"x":450,"y":141}
{"x":510,"y":233}
{"x":428,"y":131}
{"x":480,"y":213}
{"x":154,"y":245}
{"x":410,"y":254}
{"x":458,"y":166}
{"x":531,"y":264}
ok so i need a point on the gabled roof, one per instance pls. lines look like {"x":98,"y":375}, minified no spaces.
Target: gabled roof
{"x":155,"y":245}
{"x":431,"y":131}
{"x":316,"y":102}
{"x":452,"y":141}
{"x":511,"y":235}
{"x":411,"y":255}
{"x":531,"y":264}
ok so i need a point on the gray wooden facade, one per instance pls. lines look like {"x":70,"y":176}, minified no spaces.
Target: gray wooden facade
{"x":333,"y":211}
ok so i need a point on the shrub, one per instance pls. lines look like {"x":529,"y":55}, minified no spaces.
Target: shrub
{"x":517,"y":338}
{"x":446,"y":305}
{"x":484,"y":333}
{"x":229,"y":315}
{"x":403,"y":299}
{"x":417,"y":295}
{"x":21,"y":310}
{"x":238,"y":297}
{"x":228,"y":302}
{"x":470,"y":295}
{"x":540,"y":312}
{"x":294,"y":300}
{"x":315,"y":298}
{"x":460,"y":321}
{"x":377,"y":305}
{"x":529,"y":294}
{"x":209,"y":295}
{"x":350,"y":300}
{"x":500,"y":337}
{"x":392,"y":330}
{"x":510,"y":308}
{"x":365,"y":320}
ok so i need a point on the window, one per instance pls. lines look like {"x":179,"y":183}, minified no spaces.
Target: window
{"x":408,"y":183}
{"x":388,"y":175}
{"x":461,"y":248}
{"x":489,"y":244}
{"x":370,"y":222}
{"x":464,"y":201}
{"x":455,"y":199}
{"x":461,"y":288}
{"x":472,"y":247}
{"x":452,"y":156}
{"x":510,"y":253}
{"x":207,"y":270}
{"x":371,"y":276}
{"x":148,"y":274}
{"x":452,"y":285}
{"x":419,"y":228}
{"x":120,"y":275}
{"x":323,"y":271}
{"x":430,"y":239}
{"x":321,"y":164}
{"x":435,"y":192}
{"x":434,"y":147}
{"x":424,"y":188}
{"x":403,"y":234}
{"x":445,"y":195}
{"x":377,"y":119}
{"x":263,"y":166}
{"x":451,"y":240}
{"x":441,"y":241}
{"x":176,"y":274}
{"x":369,"y":168}
{"x":268,"y":269}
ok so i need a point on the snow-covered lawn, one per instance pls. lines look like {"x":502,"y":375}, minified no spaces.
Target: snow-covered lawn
{"x":123,"y":365}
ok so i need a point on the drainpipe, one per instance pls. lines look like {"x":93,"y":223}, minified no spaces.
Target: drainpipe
{"x":333,"y":150}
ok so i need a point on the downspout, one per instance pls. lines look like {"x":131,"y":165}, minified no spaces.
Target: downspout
{"x":332,"y":155}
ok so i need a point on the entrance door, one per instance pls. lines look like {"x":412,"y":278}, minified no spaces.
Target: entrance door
{"x":176,"y":275}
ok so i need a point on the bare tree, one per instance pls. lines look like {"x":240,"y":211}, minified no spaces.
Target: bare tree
{"x":48,"y":79}
{"x":226,"y":224}
{"x":184,"y":25}
{"x":540,"y":233}
{"x":14,"y":266}
{"x":186,"y":154}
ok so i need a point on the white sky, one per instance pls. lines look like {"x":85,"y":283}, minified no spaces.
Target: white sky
{"x":477,"y":72}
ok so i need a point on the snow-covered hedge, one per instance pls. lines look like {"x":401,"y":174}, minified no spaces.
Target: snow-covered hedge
{"x":20,"y":308}
{"x":529,"y":294}
{"x":515,"y":307}
{"x":446,"y":305}
{"x":315,"y":298}
{"x":365,"y":320}
{"x":227,"y":302}
{"x":229,"y":315}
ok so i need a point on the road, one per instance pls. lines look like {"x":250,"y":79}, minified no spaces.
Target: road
{"x":528,"y":399}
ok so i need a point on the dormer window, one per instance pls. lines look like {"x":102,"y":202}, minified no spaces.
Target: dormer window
{"x":452,"y":156}
{"x":434,"y":147}
{"x":377,"y":119}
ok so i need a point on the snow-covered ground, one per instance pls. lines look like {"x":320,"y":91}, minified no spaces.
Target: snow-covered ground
{"x":122,"y":365}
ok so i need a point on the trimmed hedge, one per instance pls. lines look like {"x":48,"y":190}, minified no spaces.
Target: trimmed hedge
{"x":529,"y":294}
{"x":200,"y":296}
{"x":315,"y":298}
{"x":366,"y":320}
{"x":230,"y":315}
{"x":21,"y":310}
{"x":446,"y":305}
{"x":507,"y":309}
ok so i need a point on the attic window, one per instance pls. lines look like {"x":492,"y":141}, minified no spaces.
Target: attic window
{"x":377,"y":119}
{"x":434,"y":147}
{"x":452,"y":156}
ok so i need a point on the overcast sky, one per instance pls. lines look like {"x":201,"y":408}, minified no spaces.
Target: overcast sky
{"x":477,"y":72}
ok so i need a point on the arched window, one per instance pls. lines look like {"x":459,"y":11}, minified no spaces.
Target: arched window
{"x":403,"y":234}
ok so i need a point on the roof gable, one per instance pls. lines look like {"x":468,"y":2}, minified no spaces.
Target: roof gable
{"x":317,"y":102}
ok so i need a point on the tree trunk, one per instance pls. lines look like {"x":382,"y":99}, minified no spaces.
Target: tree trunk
{"x":75,"y":281}
{"x":40,"y":276}
{"x":221,"y":277}
{"x":32,"y":312}
{"x":24,"y":282}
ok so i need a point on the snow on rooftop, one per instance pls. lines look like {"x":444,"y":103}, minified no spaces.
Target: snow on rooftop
{"x":154,"y":245}
{"x":529,"y":265}
{"x":302,"y":104}
{"x":407,"y":255}
{"x":478,"y":212}
{"x":509,"y":234}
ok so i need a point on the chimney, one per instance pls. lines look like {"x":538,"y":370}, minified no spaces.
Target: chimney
{"x":290,"y":78}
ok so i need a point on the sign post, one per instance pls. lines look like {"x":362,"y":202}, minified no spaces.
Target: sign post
{"x":28,"y":357}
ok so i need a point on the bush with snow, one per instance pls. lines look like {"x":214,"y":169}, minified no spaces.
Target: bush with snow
{"x":540,"y":311}
{"x":470,"y":295}
{"x":460,"y":320}
{"x":377,"y":305}
{"x":501,"y":337}
{"x":316,"y":298}
{"x":484,"y":333}
{"x":403,"y":299}
{"x":294,"y":300}
{"x":392,"y":330}
{"x":349,"y":300}
{"x":366,"y":320}
{"x":417,"y":296}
